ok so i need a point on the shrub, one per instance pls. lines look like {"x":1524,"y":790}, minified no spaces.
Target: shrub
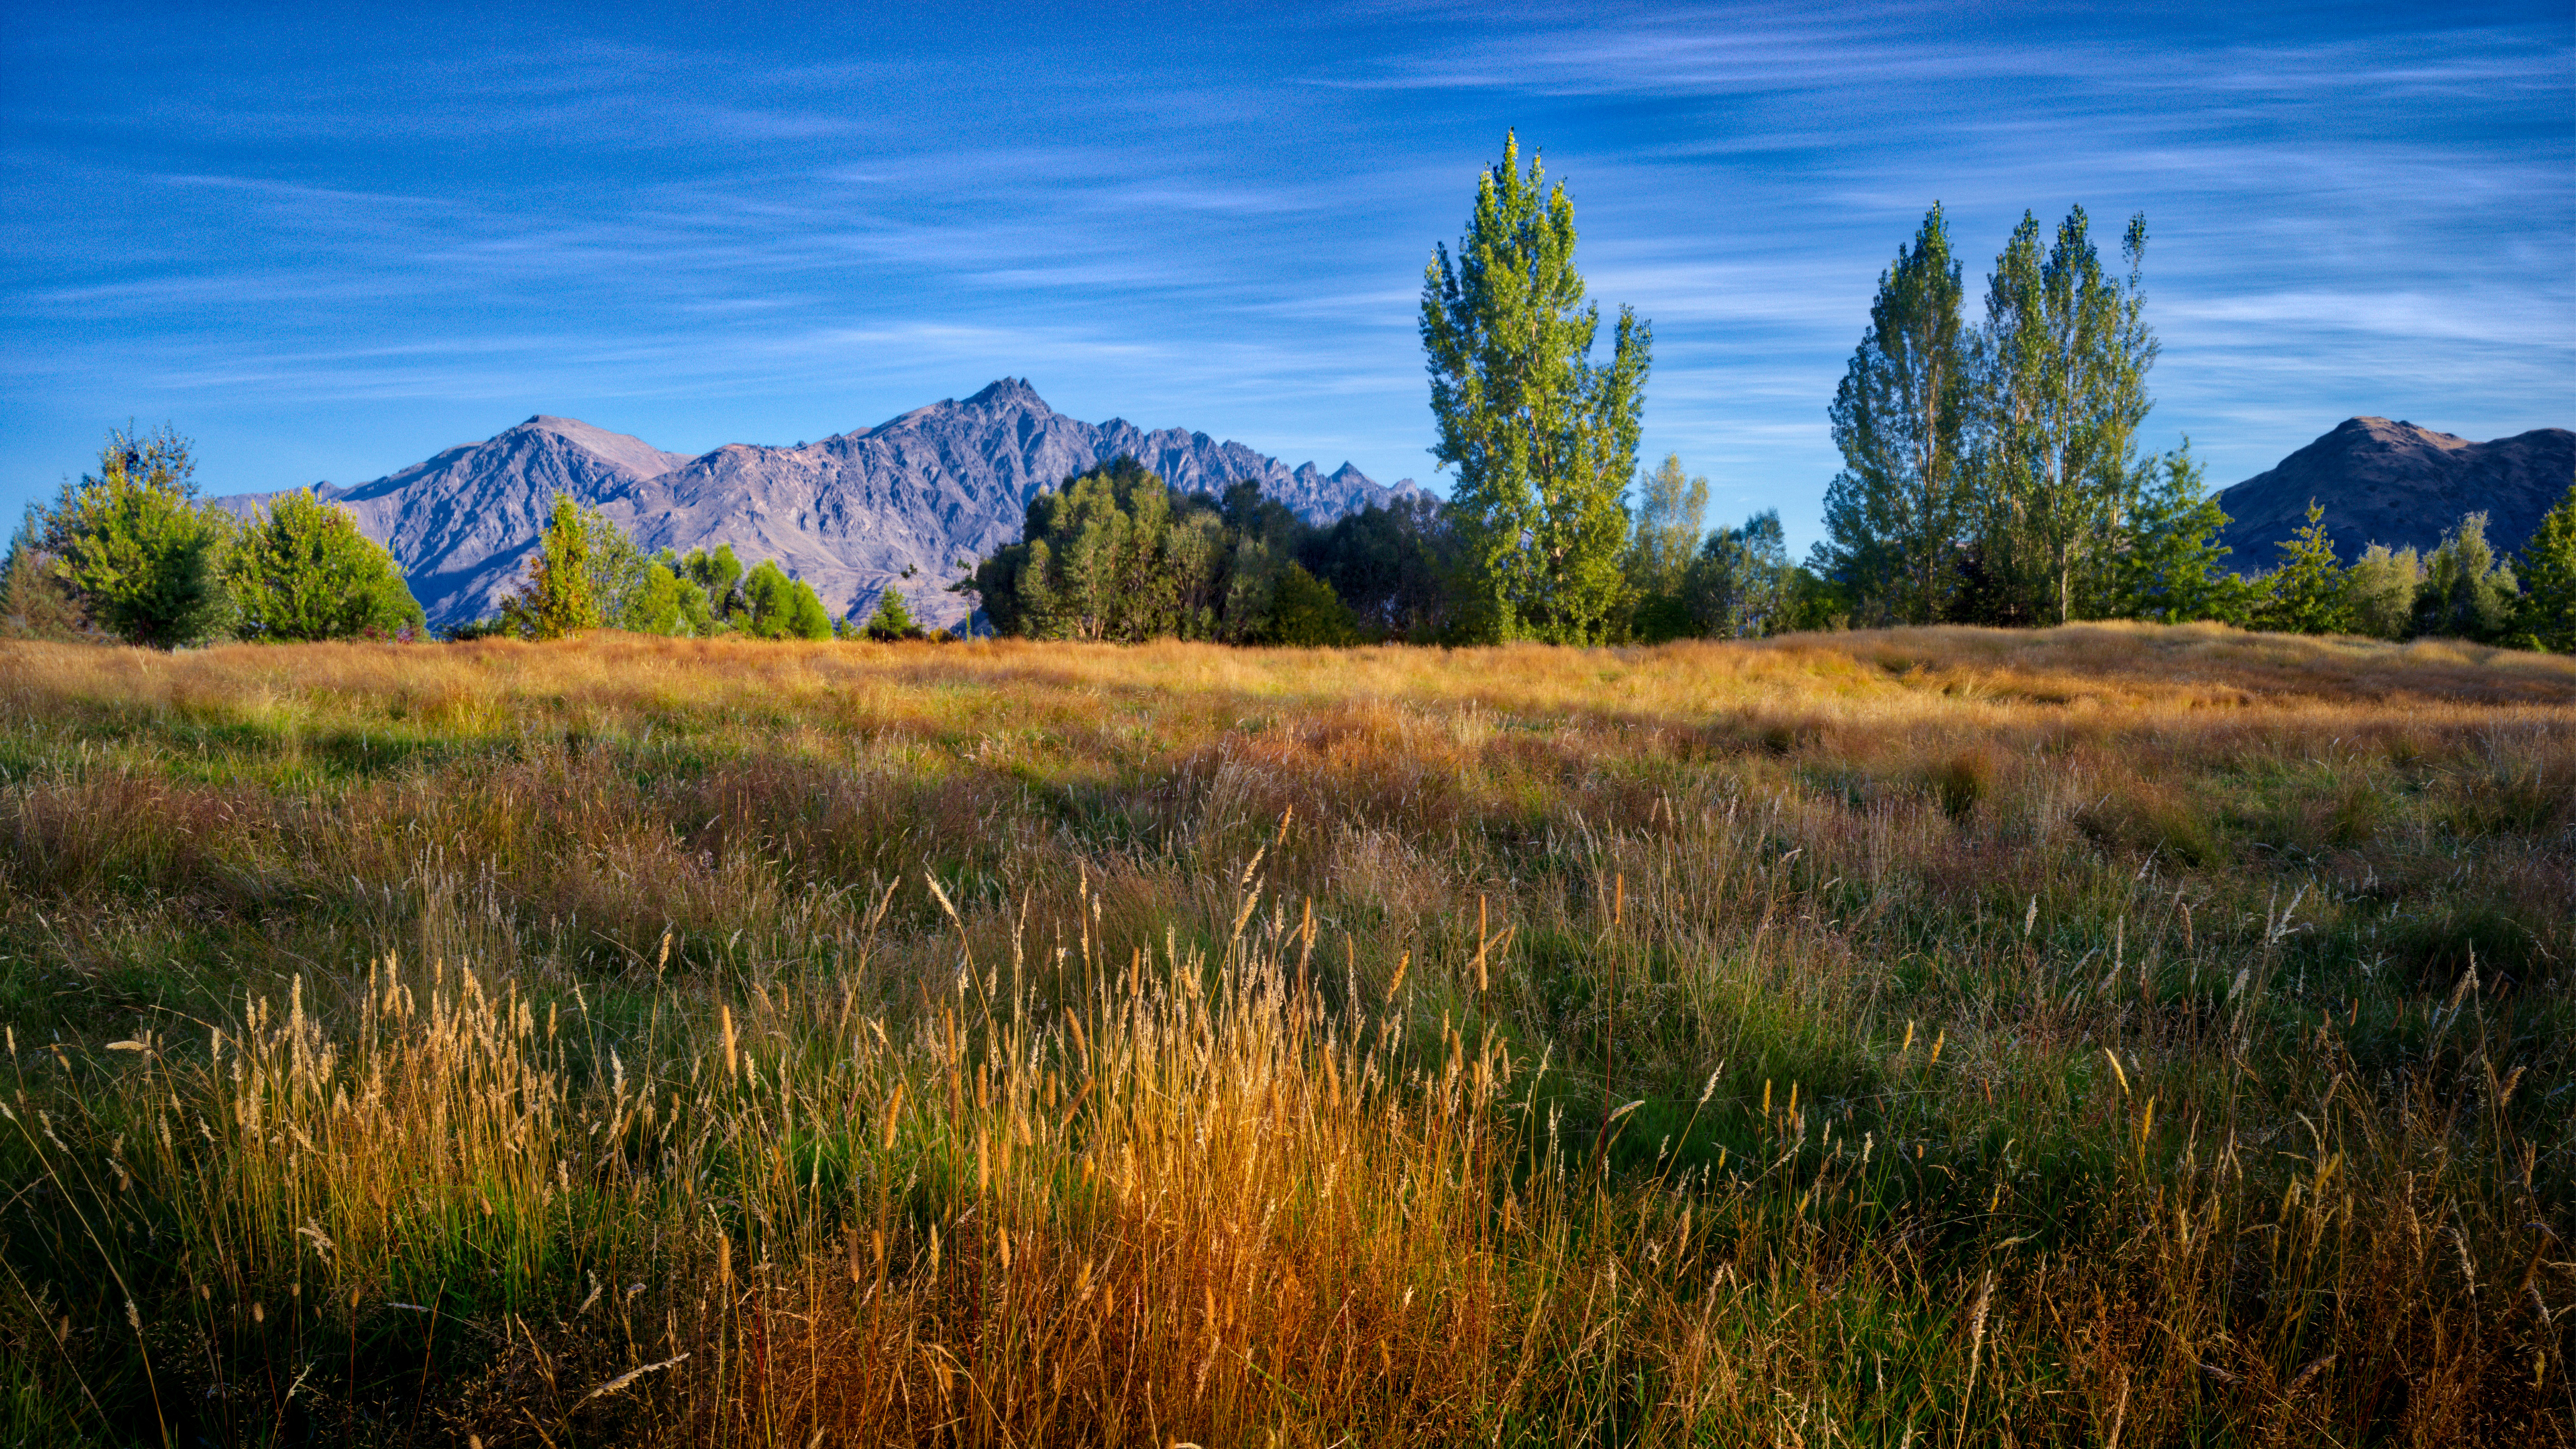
{"x":560,"y":596}
{"x":134,"y":546}
{"x":892,"y":620}
{"x":302,"y":571}
{"x":2468,"y":593}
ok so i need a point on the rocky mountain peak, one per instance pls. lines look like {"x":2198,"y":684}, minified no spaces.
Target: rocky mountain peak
{"x":1010,"y":392}
{"x":2398,"y":483}
{"x":850,"y":515}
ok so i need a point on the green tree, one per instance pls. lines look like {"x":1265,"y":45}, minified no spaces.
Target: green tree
{"x":770,"y":597}
{"x":559,"y":597}
{"x":1741,"y":585}
{"x":807,"y":617}
{"x":718,"y":577}
{"x":656,"y":606}
{"x":621,"y":576}
{"x":2061,"y":391}
{"x":2468,"y":592}
{"x":2307,"y":594}
{"x":1894,"y":515}
{"x":2380,"y":588}
{"x":1544,"y":440}
{"x":2545,"y":616}
{"x":35,"y":603}
{"x":1672,"y":512}
{"x":892,"y":620}
{"x":1672,"y":508}
{"x":1400,"y":569}
{"x":1112,"y":555}
{"x":1305,"y":612}
{"x":301,"y":570}
{"x":134,"y":546}
{"x":780,"y":607}
{"x":2172,"y":571}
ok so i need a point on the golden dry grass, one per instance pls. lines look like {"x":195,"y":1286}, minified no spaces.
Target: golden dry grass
{"x":1935,"y":1036}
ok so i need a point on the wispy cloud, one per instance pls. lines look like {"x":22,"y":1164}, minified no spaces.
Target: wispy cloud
{"x":1223,"y":226}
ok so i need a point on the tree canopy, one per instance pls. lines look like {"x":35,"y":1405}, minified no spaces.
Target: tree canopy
{"x":134,"y":546}
{"x":300,"y":570}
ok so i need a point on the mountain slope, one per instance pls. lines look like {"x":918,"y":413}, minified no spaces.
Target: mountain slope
{"x":2398,"y":484}
{"x":462,"y":523}
{"x":849,"y":514}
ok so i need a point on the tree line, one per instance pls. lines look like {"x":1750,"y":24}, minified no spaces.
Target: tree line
{"x":131,"y":553}
{"x":1992,"y":474}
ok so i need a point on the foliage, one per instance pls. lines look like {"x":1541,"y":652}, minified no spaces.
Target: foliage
{"x":1894,"y":515}
{"x":2307,"y":594}
{"x":780,"y":607}
{"x":1305,"y":612}
{"x":621,"y":579}
{"x":2380,"y":589}
{"x":559,"y":598}
{"x":35,"y":602}
{"x":300,"y":571}
{"x":717,"y":577}
{"x":2468,"y":592}
{"x":2545,"y":617}
{"x":1741,"y":585}
{"x":137,"y":551}
{"x":2171,"y":572}
{"x":1544,"y":439}
{"x":1401,"y":569}
{"x":1671,"y":514}
{"x":655,"y":606}
{"x":2061,"y":391}
{"x":1672,"y":508}
{"x":1111,"y":555}
{"x":892,"y":621}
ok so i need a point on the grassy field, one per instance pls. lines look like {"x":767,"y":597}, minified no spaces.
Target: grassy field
{"x":2107,"y":1035}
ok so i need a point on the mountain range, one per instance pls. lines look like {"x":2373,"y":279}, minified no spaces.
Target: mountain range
{"x":851,"y":514}
{"x":2398,"y":484}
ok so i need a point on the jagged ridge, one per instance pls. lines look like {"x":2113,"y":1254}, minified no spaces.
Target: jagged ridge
{"x":849,"y":514}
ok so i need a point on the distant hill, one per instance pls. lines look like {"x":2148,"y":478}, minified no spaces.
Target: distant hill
{"x":2398,"y":484}
{"x":847,"y":514}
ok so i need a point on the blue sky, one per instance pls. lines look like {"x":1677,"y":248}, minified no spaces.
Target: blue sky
{"x":326,"y":243}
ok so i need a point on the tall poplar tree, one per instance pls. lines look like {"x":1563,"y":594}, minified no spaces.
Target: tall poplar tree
{"x":1544,"y":439}
{"x":2062,"y":368}
{"x":1894,"y":515}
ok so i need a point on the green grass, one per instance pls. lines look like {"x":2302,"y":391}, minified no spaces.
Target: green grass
{"x":1943,"y":1037}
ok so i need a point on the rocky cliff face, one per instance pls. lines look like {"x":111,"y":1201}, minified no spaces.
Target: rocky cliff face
{"x":2399,"y":484}
{"x":935,"y":487}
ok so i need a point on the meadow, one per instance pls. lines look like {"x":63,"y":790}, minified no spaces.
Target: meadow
{"x":2109,"y":1035}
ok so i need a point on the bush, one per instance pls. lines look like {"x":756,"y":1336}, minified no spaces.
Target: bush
{"x":1305,"y":611}
{"x":302,"y":571}
{"x":2380,"y":590}
{"x":891,"y":621}
{"x":2468,"y":592}
{"x":136,"y":550}
{"x":560,"y":597}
